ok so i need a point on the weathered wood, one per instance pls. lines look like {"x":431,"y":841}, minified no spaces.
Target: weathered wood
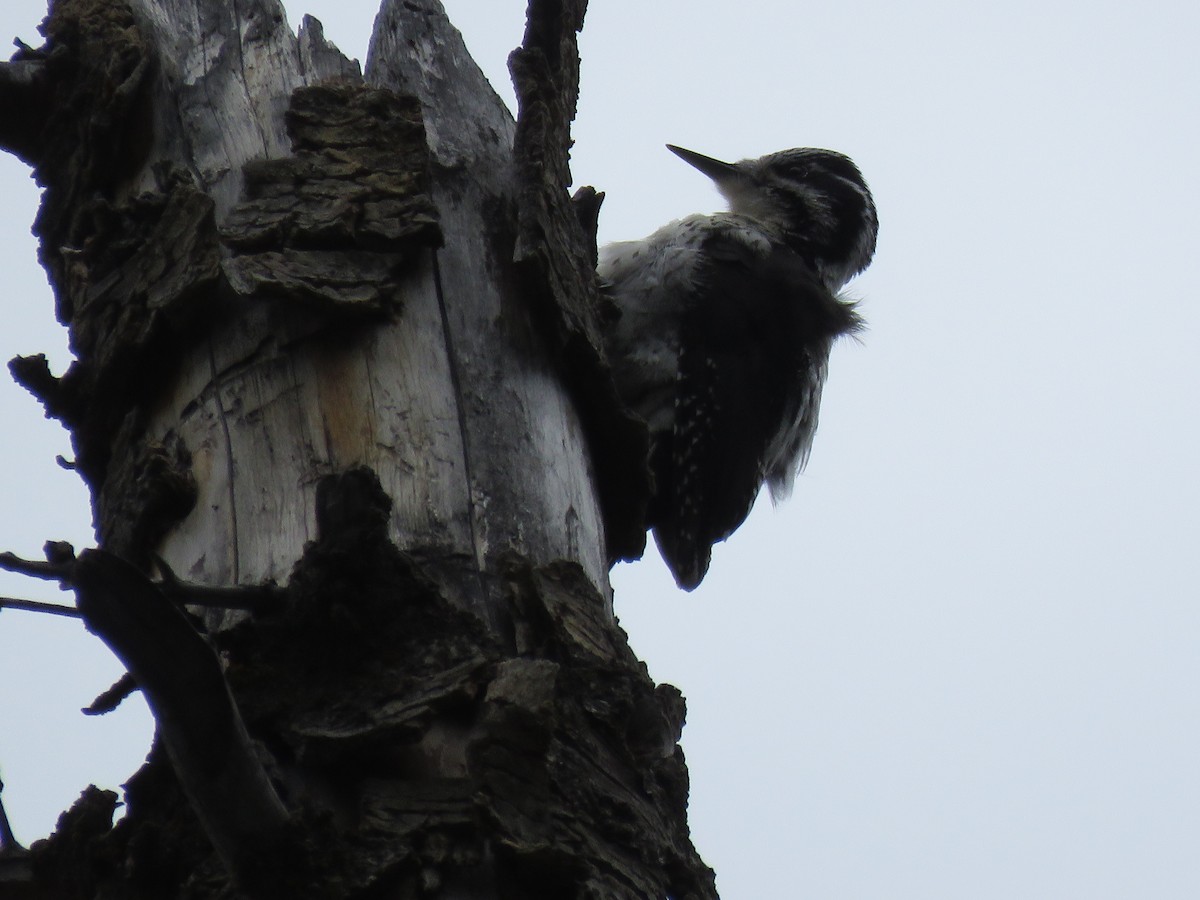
{"x":455,"y":401}
{"x":556,"y":251}
{"x":454,"y":393}
{"x":225,"y":74}
{"x":528,"y":464}
{"x":342,"y":338}
{"x":197,"y":720}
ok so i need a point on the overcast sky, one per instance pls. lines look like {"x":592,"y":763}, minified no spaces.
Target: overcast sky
{"x":962,"y":661}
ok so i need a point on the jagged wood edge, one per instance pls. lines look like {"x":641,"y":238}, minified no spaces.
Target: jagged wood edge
{"x":556,"y":248}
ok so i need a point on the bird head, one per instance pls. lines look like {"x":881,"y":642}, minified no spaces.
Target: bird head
{"x":816,"y":200}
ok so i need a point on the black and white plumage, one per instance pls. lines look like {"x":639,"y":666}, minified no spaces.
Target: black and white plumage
{"x":723,"y":339}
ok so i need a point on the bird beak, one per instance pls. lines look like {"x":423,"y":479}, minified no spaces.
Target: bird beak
{"x":715,"y":169}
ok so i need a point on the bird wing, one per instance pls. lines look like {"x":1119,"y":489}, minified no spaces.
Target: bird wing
{"x":753,"y":346}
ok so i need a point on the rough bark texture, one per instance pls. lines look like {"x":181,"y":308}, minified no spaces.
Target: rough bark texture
{"x":342,"y":336}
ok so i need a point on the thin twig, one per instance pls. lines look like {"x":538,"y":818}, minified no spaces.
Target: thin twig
{"x":257,"y":598}
{"x":54,"y":609}
{"x":47,"y":571}
{"x":111,"y":699}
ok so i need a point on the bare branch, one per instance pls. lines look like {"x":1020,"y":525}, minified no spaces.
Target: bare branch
{"x":200,"y":726}
{"x":8,"y":842}
{"x":47,"y":571}
{"x":53,"y":609}
{"x":258,"y":599}
{"x":111,"y":698}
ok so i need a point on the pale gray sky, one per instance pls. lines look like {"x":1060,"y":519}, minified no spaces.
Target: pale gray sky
{"x":962,"y":660}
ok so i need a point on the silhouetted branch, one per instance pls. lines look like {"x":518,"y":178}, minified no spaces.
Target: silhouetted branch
{"x":8,"y":842}
{"x":54,"y":609}
{"x":255,"y":598}
{"x":180,"y":675}
{"x":51,"y":570}
{"x":111,"y":698}
{"x":60,"y":567}
{"x":198,"y":721}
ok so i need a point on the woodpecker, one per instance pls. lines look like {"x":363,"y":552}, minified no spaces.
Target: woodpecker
{"x":722,"y":336}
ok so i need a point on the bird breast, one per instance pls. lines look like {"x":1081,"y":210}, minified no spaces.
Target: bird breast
{"x":651,"y":281}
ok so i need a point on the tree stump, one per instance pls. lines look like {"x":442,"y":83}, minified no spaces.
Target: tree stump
{"x":357,"y":465}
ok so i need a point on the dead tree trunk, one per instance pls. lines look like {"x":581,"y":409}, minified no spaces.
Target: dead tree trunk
{"x":357,"y":466}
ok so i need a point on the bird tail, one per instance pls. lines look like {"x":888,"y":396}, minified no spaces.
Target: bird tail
{"x":686,"y":554}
